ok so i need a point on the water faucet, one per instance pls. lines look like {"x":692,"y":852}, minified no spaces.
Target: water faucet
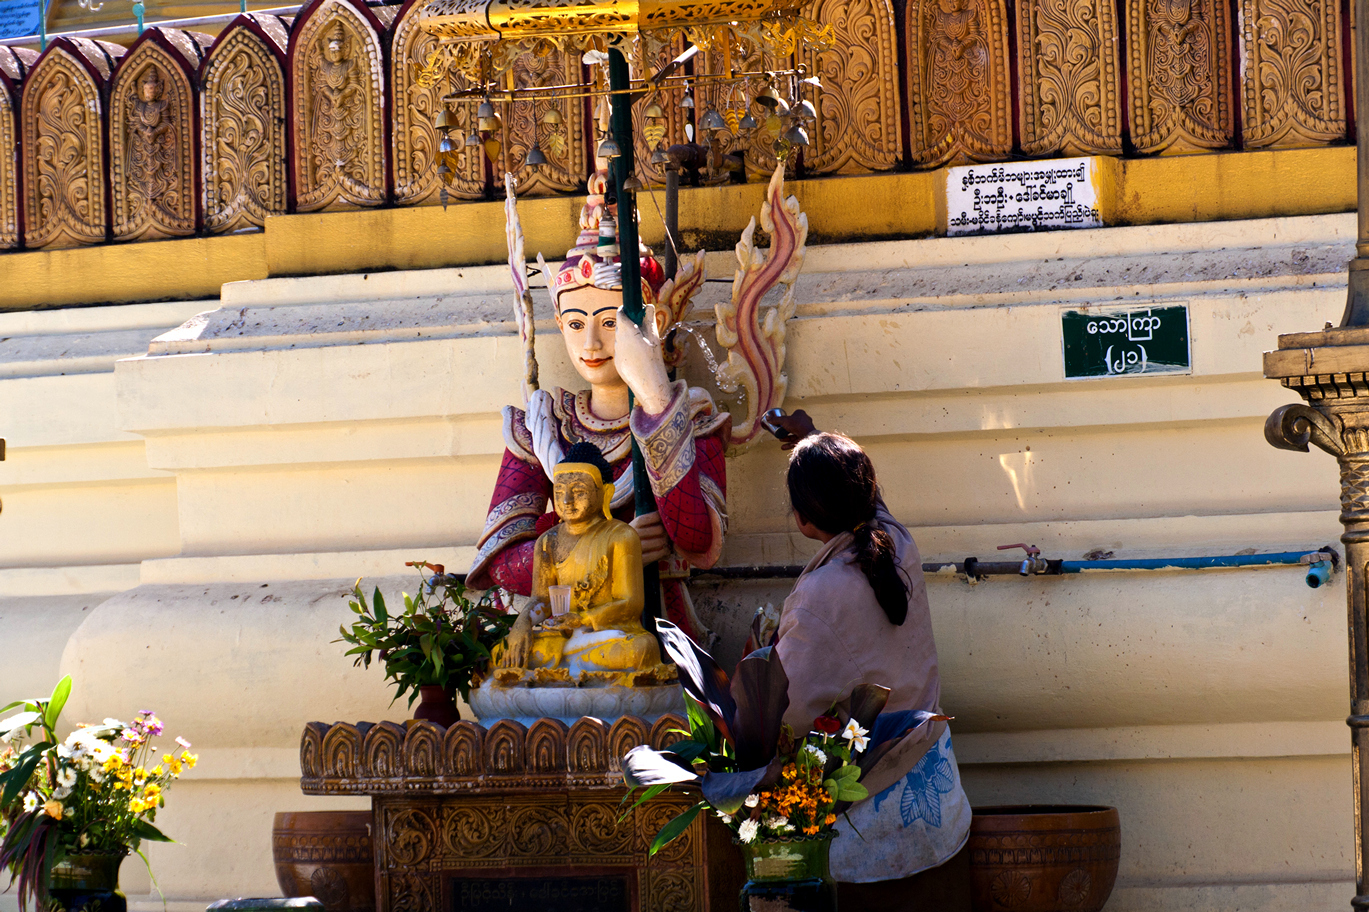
{"x":1034,"y":563}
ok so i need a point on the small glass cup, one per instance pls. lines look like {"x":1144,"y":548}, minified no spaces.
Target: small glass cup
{"x":560,"y":600}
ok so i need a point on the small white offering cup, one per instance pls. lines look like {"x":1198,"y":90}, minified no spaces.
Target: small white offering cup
{"x":560,"y":600}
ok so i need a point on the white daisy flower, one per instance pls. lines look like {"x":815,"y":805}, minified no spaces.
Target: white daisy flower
{"x":778,"y":824}
{"x":30,"y":802}
{"x":816,"y":752}
{"x":748,"y":829}
{"x":725,"y":818}
{"x":856,"y":735}
{"x":61,"y":793}
{"x":66,"y":777}
{"x":752,"y":800}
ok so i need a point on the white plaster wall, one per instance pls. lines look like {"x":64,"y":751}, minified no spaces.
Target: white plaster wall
{"x":190,"y":517}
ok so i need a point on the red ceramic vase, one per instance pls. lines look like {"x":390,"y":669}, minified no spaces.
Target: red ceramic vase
{"x":437,"y":706}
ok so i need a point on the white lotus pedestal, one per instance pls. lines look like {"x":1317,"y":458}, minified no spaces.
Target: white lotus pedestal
{"x":469,"y":819}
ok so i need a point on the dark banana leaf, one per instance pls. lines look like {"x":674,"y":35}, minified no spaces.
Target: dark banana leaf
{"x":888,"y":730}
{"x":701,"y":677}
{"x":760,"y":691}
{"x":644,"y":767}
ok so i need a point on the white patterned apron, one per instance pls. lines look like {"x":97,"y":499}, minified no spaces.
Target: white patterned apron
{"x":917,"y":823}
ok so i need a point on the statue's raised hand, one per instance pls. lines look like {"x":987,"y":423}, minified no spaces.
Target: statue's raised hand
{"x":637,"y":354}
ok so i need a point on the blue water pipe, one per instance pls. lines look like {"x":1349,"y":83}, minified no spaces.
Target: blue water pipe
{"x":1187,"y":563}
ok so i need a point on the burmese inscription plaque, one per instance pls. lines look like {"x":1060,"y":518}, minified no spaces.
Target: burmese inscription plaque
{"x":1022,"y":196}
{"x":1109,"y":341}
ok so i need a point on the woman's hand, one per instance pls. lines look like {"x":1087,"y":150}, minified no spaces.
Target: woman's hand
{"x":795,"y":427}
{"x":637,"y":354}
{"x":655,"y":542}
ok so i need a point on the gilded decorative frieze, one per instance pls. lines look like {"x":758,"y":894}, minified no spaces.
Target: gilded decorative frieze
{"x":1291,"y":81}
{"x":13,"y":65}
{"x":1067,"y":66}
{"x":958,"y":82}
{"x":858,"y":125}
{"x":243,"y":145}
{"x":1179,"y":67}
{"x":152,"y":135}
{"x":563,"y":144}
{"x":417,"y":103}
{"x":62,"y":144}
{"x":338,"y":108}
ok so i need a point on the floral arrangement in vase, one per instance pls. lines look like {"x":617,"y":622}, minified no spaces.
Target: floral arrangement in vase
{"x":765,"y":781}
{"x":441,"y":640}
{"x":95,"y":793}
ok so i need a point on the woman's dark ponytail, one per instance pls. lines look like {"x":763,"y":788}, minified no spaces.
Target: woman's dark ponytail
{"x":832,"y":485}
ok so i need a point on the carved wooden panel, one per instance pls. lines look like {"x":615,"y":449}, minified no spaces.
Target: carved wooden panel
{"x":337,"y":97}
{"x":415,"y":139}
{"x":1292,"y":84}
{"x":152,"y":147}
{"x":958,"y":81}
{"x":13,"y":65}
{"x":858,"y":125}
{"x":243,"y":145}
{"x":62,"y":142}
{"x":425,"y":841}
{"x":1067,"y":68}
{"x":664,"y":132}
{"x":1179,"y":68}
{"x":568,"y":159}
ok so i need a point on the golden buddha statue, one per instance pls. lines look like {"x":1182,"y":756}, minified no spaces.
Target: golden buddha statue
{"x":600,"y":639}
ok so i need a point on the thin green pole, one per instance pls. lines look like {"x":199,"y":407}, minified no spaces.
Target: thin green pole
{"x":633,"y":307}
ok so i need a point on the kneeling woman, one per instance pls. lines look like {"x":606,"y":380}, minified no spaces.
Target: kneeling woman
{"x":859,"y":614}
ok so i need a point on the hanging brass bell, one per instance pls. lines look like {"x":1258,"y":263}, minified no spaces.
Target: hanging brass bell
{"x":769,"y":98}
{"x":632,"y":183}
{"x":687,"y":101}
{"x":712,"y":120}
{"x":445,"y":121}
{"x":805,"y":110}
{"x":492,"y":124}
{"x":609,"y":148}
{"x":535,"y":158}
{"x":486,"y":109}
{"x":654,"y":112}
{"x":796,"y":135}
{"x":659,"y":157}
{"x":472,"y":140}
{"x":553,"y":117}
{"x":446,"y":145}
{"x":748,"y":122}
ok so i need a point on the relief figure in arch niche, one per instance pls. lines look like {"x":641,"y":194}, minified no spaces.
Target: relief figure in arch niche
{"x":336,"y":109}
{"x":958,"y":54}
{"x":152,"y":159}
{"x":1179,"y":64}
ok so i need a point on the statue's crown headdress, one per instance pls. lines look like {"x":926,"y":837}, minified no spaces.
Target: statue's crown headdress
{"x":596,"y":258}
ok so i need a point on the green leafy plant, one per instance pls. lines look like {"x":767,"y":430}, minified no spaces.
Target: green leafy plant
{"x":96,"y":793}
{"x":442,"y":638}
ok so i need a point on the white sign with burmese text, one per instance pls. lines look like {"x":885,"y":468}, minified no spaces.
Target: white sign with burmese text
{"x":1022,"y":196}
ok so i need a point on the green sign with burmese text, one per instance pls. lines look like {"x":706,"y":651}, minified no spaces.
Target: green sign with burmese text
{"x":1125,"y":341}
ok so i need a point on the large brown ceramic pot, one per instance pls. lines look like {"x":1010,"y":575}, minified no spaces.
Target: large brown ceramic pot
{"x":326,"y":855}
{"x":1043,"y":858}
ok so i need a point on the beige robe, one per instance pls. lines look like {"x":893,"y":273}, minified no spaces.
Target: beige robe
{"x":834,"y":635}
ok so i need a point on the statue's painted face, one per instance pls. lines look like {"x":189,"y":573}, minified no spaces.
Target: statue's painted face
{"x":588,"y":318}
{"x":577,"y":496}
{"x":334,"y":49}
{"x":150,"y":89}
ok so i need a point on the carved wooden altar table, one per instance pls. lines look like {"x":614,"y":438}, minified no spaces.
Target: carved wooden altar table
{"x":467,"y":819}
